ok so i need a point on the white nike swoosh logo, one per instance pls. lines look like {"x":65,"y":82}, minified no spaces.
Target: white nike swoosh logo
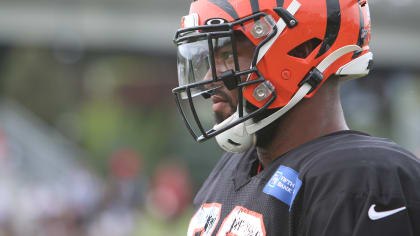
{"x":374,"y":215}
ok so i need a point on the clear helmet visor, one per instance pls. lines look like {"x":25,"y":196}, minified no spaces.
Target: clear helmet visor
{"x":194,"y":63}
{"x":205,"y":97}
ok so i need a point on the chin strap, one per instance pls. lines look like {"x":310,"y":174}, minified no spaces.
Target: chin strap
{"x":236,"y":139}
{"x":242,"y":137}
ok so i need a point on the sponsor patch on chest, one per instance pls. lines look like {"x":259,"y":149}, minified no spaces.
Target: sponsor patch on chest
{"x":284,"y":185}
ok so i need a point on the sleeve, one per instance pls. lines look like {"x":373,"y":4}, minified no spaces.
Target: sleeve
{"x":367,"y":195}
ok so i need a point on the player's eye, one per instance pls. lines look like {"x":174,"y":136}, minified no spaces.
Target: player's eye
{"x":227,"y":56}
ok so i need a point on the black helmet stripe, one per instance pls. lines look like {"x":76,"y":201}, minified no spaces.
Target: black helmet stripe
{"x":280,"y":3}
{"x":360,"y":39}
{"x":255,"y":6}
{"x":227,"y":7}
{"x":333,"y":26}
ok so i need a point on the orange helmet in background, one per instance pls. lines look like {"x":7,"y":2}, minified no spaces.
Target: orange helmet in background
{"x":298,"y":45}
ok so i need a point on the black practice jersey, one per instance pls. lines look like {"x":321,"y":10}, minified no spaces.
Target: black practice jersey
{"x":345,"y":183}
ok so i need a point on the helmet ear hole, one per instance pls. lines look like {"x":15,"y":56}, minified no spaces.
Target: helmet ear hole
{"x":303,"y":50}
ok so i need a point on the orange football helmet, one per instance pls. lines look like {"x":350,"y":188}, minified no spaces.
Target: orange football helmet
{"x":298,"y":45}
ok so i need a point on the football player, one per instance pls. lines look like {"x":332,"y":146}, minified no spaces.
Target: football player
{"x":270,"y":72}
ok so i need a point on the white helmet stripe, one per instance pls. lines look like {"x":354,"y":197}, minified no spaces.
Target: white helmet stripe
{"x":293,"y":8}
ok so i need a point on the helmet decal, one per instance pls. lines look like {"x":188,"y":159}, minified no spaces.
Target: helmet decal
{"x":255,"y":6}
{"x":280,"y":3}
{"x":227,"y":7}
{"x":215,"y":21}
{"x":333,"y":26}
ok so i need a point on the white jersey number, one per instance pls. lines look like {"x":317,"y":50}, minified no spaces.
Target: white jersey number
{"x":205,"y":220}
{"x":242,"y":222}
{"x":239,"y":222}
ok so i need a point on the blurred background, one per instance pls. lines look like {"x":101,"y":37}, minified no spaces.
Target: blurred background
{"x":90,"y":139}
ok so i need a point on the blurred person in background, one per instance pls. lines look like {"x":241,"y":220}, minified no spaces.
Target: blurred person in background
{"x":270,"y":71}
{"x":170,"y":191}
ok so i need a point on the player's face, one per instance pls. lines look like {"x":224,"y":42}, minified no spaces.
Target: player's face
{"x":225,"y":101}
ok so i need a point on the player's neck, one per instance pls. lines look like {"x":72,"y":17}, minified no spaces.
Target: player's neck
{"x":310,"y":119}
